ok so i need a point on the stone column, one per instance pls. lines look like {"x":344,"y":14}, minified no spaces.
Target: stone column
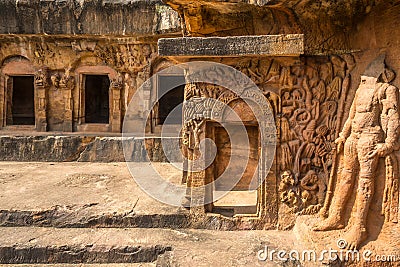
{"x":147,"y":85}
{"x":67,"y":84}
{"x":41,"y":86}
{"x":115,"y":90}
{"x":194,"y":132}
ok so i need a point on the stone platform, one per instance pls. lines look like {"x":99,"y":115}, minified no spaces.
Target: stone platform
{"x":93,"y":213}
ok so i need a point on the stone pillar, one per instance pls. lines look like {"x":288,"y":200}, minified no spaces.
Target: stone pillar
{"x":194,"y":132}
{"x":115,"y":90}
{"x":41,"y":116}
{"x":67,"y":84}
{"x":147,"y":85}
{"x":41,"y":86}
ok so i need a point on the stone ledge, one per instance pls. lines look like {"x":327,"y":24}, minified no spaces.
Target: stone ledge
{"x":81,"y":254}
{"x":264,"y":45}
{"x":87,"y":149}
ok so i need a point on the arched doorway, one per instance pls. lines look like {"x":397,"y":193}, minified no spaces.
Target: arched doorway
{"x":17,"y":93}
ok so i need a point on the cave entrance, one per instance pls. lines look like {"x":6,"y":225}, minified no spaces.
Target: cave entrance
{"x":97,"y":99}
{"x":21,"y":100}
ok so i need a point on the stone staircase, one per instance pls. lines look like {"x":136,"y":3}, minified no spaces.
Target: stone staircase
{"x":48,"y":246}
{"x":93,"y":214}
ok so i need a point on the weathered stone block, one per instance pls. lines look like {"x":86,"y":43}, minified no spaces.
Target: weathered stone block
{"x":87,"y":149}
{"x":264,"y":45}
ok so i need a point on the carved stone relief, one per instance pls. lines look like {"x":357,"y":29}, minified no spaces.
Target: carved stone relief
{"x":308,"y":99}
{"x":128,"y":55}
{"x":43,"y":53}
{"x":312,"y":96}
{"x":127,"y":58}
{"x":370,"y":132}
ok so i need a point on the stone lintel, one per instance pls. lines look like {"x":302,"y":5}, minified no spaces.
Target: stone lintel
{"x":261,"y":45}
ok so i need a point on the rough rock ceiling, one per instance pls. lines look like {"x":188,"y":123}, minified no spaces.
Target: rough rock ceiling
{"x":327,"y":24}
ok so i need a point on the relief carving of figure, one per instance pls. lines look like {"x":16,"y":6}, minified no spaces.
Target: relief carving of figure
{"x":41,"y":77}
{"x":288,"y":192}
{"x":117,"y":82}
{"x":55,"y":80}
{"x":370,"y":132}
{"x":67,"y":81}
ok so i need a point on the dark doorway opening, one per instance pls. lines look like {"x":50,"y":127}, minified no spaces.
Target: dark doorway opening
{"x":171,"y":88}
{"x":97,"y":106}
{"x":23,"y":101}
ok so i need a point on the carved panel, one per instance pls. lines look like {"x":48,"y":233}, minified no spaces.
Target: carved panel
{"x":307,"y":97}
{"x":127,"y":58}
{"x":370,"y":132}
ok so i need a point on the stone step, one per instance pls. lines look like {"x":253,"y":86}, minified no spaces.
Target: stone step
{"x":37,"y":246}
{"x":87,"y":148}
{"x":65,"y":217}
{"x":51,"y":245}
{"x":80,"y":254}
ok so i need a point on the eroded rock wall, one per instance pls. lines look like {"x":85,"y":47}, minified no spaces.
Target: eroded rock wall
{"x":137,"y":17}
